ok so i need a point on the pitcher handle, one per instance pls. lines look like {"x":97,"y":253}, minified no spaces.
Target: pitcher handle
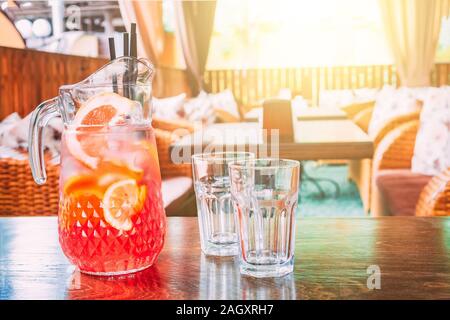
{"x":39,"y":119}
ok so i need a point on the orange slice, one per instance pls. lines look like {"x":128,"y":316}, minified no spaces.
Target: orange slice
{"x":82,"y":185}
{"x":120,"y":202}
{"x":108,"y":172}
{"x":118,"y":169}
{"x":142,"y":196}
{"x":91,"y":119}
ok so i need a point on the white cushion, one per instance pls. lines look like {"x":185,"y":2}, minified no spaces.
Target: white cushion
{"x":343,"y":97}
{"x":432,"y":147}
{"x":364,"y":95}
{"x":299,"y":103}
{"x":199,"y":109}
{"x":169,"y":108}
{"x":14,"y":133}
{"x":173,"y":188}
{"x":8,"y":152}
{"x":335,"y":98}
{"x":285,"y":93}
{"x":392,"y":102}
{"x":6,"y":126}
{"x":224,"y":101}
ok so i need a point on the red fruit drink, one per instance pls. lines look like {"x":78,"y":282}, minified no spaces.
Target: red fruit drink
{"x":111,"y":217}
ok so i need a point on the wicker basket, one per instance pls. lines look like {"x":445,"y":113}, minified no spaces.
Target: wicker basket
{"x":21,"y":196}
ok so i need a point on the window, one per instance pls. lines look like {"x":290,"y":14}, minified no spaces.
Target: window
{"x":168,"y":17}
{"x":265,"y":33}
{"x":443,"y":49}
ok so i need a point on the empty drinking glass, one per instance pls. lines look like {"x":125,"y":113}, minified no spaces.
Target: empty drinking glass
{"x":215,"y":211}
{"x":265,"y":194}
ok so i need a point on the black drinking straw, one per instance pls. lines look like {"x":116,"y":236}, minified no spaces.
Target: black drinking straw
{"x":133,"y":52}
{"x":126,"y":45}
{"x":112,"y":55}
{"x":126,"y":53}
{"x":133,"y":43}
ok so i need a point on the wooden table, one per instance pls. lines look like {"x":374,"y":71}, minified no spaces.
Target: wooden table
{"x":311,"y":113}
{"x":331,"y":261}
{"x":314,"y":140}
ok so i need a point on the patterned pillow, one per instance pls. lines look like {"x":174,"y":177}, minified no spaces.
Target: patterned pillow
{"x":199,"y":109}
{"x":14,"y":133}
{"x":364,"y":95}
{"x":203,"y":108}
{"x":224,"y":105}
{"x":169,"y":108}
{"x":341,"y":98}
{"x":392,"y":102}
{"x":335,"y":98}
{"x":432,"y":148}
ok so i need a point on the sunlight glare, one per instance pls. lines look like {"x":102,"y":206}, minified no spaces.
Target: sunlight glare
{"x":267,"y":33}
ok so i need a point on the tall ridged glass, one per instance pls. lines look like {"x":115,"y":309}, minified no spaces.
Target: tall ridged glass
{"x":216,"y":217}
{"x":265,"y":195}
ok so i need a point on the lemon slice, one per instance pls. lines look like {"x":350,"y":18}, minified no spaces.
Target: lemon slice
{"x":120,"y":203}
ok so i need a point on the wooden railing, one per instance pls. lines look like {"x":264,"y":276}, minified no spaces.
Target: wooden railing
{"x":251,"y":85}
{"x":28,"y":77}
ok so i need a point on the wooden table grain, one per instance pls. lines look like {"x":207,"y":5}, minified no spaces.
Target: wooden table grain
{"x":332,"y":257}
{"x":314,"y":140}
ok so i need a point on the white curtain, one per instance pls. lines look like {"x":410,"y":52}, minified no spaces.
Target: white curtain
{"x":150,"y":30}
{"x":412,"y":29}
{"x":194,"y":26}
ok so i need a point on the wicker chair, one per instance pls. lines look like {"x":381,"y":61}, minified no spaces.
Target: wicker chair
{"x":172,"y":125}
{"x":166,"y":132}
{"x":395,"y":151}
{"x":435,"y":197}
{"x":394,"y":123}
{"x":360,"y":171}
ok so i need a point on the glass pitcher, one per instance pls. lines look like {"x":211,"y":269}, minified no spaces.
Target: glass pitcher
{"x":111,"y":217}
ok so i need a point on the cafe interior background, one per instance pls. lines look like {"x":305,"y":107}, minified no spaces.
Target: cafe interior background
{"x":382,"y":65}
